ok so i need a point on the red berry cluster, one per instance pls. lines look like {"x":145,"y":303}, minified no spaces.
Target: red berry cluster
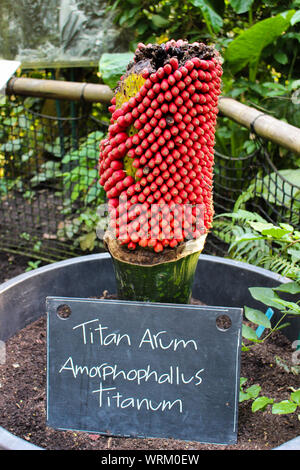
{"x":174,"y":117}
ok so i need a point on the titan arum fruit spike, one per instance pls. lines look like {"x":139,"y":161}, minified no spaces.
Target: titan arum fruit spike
{"x":156,"y":164}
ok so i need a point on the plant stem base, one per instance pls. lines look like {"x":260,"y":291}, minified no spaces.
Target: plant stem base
{"x":166,"y":279}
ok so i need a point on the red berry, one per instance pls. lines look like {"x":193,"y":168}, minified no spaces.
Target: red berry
{"x":168,"y":95}
{"x":196,"y":61}
{"x":185,"y":95}
{"x":174,"y":130}
{"x":178,"y":117}
{"x":172,"y":108}
{"x":160,"y":98}
{"x":157,"y":195}
{"x":157,"y":114}
{"x":194,"y":74}
{"x":156,"y":88}
{"x":184,"y":71}
{"x":131,"y":245}
{"x":147,"y":128}
{"x":189,"y":65}
{"x":158,"y":247}
{"x":160,"y":72}
{"x":177,"y":75}
{"x":151,"y":243}
{"x":128,"y":181}
{"x":151,"y":93}
{"x":155,"y":104}
{"x":116,"y":165}
{"x":154,"y":77}
{"x":175,"y":91}
{"x":164,"y":108}
{"x":168,"y":69}
{"x":159,"y":180}
{"x":162,"y":123}
{"x":153,"y":122}
{"x":174,"y":63}
{"x":146,"y":101}
{"x":139,"y":173}
{"x":164,"y":85}
{"x":171,"y":80}
{"x":165,"y":151}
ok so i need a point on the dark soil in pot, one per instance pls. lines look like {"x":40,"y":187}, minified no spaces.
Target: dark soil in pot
{"x":11,"y":265}
{"x":23,"y":400}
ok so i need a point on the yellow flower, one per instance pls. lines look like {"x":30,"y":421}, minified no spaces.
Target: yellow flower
{"x":162,"y":38}
{"x":275,"y":75}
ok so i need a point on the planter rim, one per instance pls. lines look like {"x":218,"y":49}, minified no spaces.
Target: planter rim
{"x":9,"y":441}
{"x":82,"y":259}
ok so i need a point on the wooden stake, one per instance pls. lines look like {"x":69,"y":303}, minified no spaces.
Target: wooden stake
{"x":58,"y":89}
{"x":262,"y":124}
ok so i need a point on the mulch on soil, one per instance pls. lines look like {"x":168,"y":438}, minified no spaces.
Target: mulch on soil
{"x":23,"y":395}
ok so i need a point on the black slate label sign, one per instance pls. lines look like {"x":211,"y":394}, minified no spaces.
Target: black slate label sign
{"x":144,"y":369}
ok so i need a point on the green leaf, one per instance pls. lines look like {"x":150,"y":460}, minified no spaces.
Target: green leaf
{"x":210,"y":15}
{"x":159,"y":21}
{"x":295,"y":18}
{"x":266,"y":295}
{"x":253,"y":391}
{"x":283,"y":325}
{"x":295,"y":254}
{"x":87,"y":242}
{"x":295,"y":396}
{"x":261,"y":403}
{"x":247,"y":236}
{"x":257,"y":317}
{"x":281,"y":57}
{"x":243,"y":396}
{"x":112,"y":66}
{"x":269,"y":229}
{"x":284,"y":407}
{"x":291,"y":305}
{"x":241,"y":6}
{"x":288,"y":227}
{"x":290,"y":287}
{"x":247,"y":47}
{"x":243,"y":380}
{"x":249,"y":334}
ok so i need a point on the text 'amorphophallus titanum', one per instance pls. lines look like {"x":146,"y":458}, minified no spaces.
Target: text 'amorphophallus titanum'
{"x":156,"y":167}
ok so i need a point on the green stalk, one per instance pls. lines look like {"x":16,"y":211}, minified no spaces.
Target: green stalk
{"x":166,"y":282}
{"x":166,"y":278}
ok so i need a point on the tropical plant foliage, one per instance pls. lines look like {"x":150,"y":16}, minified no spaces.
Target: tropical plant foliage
{"x":259,"y":41}
{"x":254,"y":240}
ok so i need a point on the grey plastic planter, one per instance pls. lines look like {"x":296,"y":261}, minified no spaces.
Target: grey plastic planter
{"x":22,"y":299}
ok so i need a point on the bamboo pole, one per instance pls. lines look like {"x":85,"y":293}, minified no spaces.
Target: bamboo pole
{"x":262,"y":124}
{"x":58,"y":89}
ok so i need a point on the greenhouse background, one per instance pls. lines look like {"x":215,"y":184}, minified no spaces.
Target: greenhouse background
{"x":49,"y":147}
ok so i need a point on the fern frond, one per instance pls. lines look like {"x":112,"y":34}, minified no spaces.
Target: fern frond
{"x":242,"y":215}
{"x":280,"y":265}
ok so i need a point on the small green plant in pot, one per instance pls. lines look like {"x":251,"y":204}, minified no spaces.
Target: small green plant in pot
{"x":271,"y":298}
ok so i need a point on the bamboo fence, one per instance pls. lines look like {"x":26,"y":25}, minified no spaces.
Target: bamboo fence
{"x":262,"y":124}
